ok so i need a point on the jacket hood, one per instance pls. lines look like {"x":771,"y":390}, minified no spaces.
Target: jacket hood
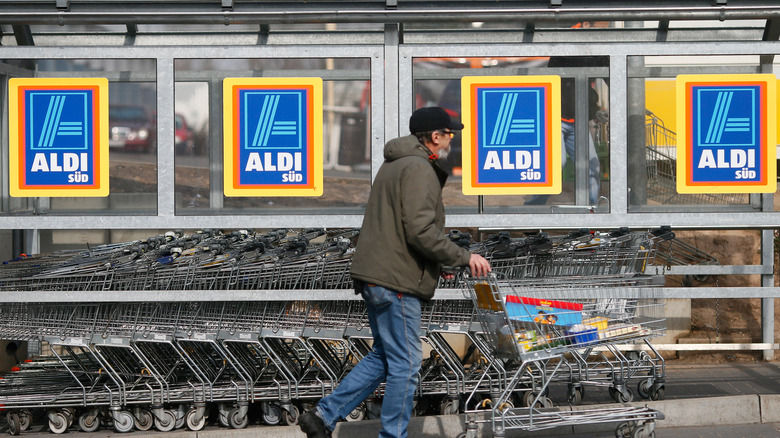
{"x":404,"y":147}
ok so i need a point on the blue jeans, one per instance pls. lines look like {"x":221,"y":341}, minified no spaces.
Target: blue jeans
{"x":395,"y":357}
{"x":594,"y":167}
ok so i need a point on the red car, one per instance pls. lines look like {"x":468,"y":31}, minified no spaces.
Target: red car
{"x":185,"y":138}
{"x":131,"y":128}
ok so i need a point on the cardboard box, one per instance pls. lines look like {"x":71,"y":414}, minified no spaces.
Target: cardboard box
{"x":486,"y":299}
{"x":599,"y":322}
{"x":582,"y":334}
{"x":541,"y":311}
{"x":625,"y":330}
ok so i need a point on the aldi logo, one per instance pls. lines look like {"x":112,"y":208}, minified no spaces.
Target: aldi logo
{"x":512,"y":124}
{"x":273,"y":136}
{"x":726,"y":138}
{"x":58,"y":137}
{"x":725,"y":120}
{"x":511,"y":139}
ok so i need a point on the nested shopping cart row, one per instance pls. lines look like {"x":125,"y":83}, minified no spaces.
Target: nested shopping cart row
{"x":280,"y":259}
{"x":167,"y":364}
{"x":308,"y":259}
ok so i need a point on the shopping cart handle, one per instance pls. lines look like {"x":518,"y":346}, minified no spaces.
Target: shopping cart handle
{"x":663,"y":232}
{"x":658,"y":414}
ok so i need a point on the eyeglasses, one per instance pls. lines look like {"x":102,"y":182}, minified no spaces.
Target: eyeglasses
{"x":450,"y":133}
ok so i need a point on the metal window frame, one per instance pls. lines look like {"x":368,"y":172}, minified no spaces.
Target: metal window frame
{"x":166,"y":217}
{"x":391,"y":97}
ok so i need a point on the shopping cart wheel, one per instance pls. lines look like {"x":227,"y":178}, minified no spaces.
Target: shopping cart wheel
{"x":223,"y":409}
{"x":625,"y":396}
{"x":290,"y":417}
{"x":194,"y":423}
{"x":123,"y":421}
{"x":271,"y":413}
{"x":643,"y":388}
{"x":448,"y":407}
{"x":167,"y":422}
{"x":14,"y":423}
{"x":544,"y":401}
{"x":89,"y":421}
{"x":144,"y":420}
{"x":643,"y":432}
{"x":58,"y":422}
{"x":575,"y":395}
{"x":238,"y":421}
{"x":658,"y":393}
{"x":25,"y":418}
{"x":359,"y":413}
{"x":623,"y":430}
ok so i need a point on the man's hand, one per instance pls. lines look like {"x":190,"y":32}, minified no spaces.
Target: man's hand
{"x":479,"y":266}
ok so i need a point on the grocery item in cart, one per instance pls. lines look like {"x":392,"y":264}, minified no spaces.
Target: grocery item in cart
{"x":543,"y":311}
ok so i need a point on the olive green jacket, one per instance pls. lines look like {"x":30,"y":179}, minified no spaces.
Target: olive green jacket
{"x":402,"y":243}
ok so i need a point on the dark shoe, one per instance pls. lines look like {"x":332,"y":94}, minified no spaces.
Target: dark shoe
{"x":312,"y":425}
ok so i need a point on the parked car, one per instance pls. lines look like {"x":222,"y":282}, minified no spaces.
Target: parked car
{"x":184,"y":137}
{"x":131,"y":128}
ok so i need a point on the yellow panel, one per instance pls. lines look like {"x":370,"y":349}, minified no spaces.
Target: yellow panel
{"x":271,"y":163}
{"x":660,"y":99}
{"x":536,"y":167}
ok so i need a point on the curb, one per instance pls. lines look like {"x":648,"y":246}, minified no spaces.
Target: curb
{"x":707,"y":411}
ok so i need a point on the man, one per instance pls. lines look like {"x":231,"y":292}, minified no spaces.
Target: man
{"x":396,"y":265}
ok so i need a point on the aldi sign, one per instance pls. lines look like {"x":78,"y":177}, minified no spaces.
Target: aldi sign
{"x":273,"y":136}
{"x":726,"y":140}
{"x":512,"y":135}
{"x":58,"y":137}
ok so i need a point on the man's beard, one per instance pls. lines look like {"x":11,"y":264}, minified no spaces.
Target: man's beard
{"x":443,"y":153}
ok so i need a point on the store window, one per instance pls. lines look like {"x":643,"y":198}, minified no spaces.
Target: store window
{"x":653,"y":133}
{"x":584,"y":141}
{"x":132,"y":135}
{"x":199,"y":141}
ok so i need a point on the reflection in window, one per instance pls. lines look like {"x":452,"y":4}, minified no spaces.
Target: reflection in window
{"x":199,"y":142}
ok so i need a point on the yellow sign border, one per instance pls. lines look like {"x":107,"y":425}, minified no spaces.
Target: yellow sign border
{"x":555,"y":185}
{"x":100,"y":143}
{"x":316,"y":159}
{"x":770,"y":133}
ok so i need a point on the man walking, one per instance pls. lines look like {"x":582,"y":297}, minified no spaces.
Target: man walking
{"x":396,"y":265}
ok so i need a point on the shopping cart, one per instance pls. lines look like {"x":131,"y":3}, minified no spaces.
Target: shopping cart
{"x":537,"y":325}
{"x":661,"y":160}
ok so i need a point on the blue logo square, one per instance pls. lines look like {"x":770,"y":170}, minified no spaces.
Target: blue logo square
{"x":726,"y":116}
{"x":58,"y":120}
{"x":511,"y":118}
{"x":272,"y":119}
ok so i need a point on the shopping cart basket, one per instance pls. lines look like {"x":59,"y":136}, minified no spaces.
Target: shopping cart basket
{"x":537,"y":326}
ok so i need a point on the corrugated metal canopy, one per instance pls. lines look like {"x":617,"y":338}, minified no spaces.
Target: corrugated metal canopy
{"x":132,"y":12}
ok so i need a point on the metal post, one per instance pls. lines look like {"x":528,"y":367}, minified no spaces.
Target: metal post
{"x":635,"y":163}
{"x":618,"y":135}
{"x":392,"y":104}
{"x":768,"y":280}
{"x":166,"y":202}
{"x":581,"y":133}
{"x":216,"y":166}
